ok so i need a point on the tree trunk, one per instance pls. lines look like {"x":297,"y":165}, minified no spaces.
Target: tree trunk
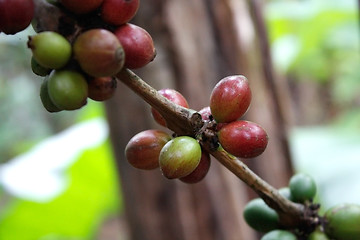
{"x":198,"y":43}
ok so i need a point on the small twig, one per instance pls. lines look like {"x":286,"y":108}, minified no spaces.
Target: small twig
{"x":181,"y":120}
{"x":185,"y":121}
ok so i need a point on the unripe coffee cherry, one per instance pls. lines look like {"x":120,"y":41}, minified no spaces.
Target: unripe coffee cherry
{"x":50,"y":49}
{"x":318,"y":235}
{"x":99,"y":53}
{"x":243,"y":139}
{"x":200,"y":171}
{"x":15,"y":15}
{"x":117,"y":12}
{"x":260,"y":216}
{"x":45,"y":98}
{"x":343,"y":222}
{"x":144,"y":148}
{"x":68,"y":90}
{"x":173,"y":96}
{"x":279,"y":235}
{"x":179,"y":157}
{"x":38,"y":69}
{"x":286,"y":193}
{"x":81,"y":6}
{"x":138,"y":45}
{"x":230,"y":98}
{"x":302,"y":187}
{"x":102,"y":88}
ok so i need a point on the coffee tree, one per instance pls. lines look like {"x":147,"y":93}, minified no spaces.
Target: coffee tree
{"x":82,"y":48}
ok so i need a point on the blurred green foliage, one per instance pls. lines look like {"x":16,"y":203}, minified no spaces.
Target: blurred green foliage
{"x":318,"y":41}
{"x":77,"y":213}
{"x":92,"y":194}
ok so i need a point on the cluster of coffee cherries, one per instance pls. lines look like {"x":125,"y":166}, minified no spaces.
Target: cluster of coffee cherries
{"x":182,"y":157}
{"x":84,"y":67}
{"x":340,"y":222}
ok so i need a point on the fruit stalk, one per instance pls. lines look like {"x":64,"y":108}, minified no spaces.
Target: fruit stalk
{"x":185,"y":121}
{"x":181,"y":120}
{"x":291,"y":214}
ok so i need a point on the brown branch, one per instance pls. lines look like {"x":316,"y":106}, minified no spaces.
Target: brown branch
{"x":187,"y":122}
{"x":182,"y":121}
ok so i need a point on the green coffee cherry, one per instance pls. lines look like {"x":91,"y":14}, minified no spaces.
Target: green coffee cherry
{"x":260,"y":216}
{"x":45,"y":98}
{"x":343,"y":222}
{"x":279,"y":235}
{"x":179,"y":157}
{"x":302,"y":187}
{"x":50,"y":49}
{"x":286,"y":193}
{"x":68,"y":90}
{"x":318,"y":235}
{"x":38,"y":69}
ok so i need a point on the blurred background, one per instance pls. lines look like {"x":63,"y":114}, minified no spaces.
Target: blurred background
{"x":63,"y":175}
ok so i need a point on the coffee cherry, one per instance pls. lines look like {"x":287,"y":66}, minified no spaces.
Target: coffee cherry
{"x":230,"y":98}
{"x":205,"y":113}
{"x":99,"y":53}
{"x":207,"y":116}
{"x":45,"y":98}
{"x":81,"y":6}
{"x":279,"y":235}
{"x":144,"y":148}
{"x":179,"y":157}
{"x":342,"y":222}
{"x":117,"y":12}
{"x":15,"y":15}
{"x":318,"y":235}
{"x":302,"y":187}
{"x":102,"y":88}
{"x":243,"y":139}
{"x":286,"y":193}
{"x":200,"y":171}
{"x":138,"y":45}
{"x":38,"y":69}
{"x":50,"y":49}
{"x":260,"y":216}
{"x":173,"y":96}
{"x":68,"y":90}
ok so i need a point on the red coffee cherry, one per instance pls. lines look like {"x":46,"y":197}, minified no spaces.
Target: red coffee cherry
{"x":230,"y":98}
{"x":144,"y":148}
{"x":205,"y":113}
{"x":243,"y":139}
{"x":102,"y":88}
{"x":173,"y":96}
{"x":200,"y":171}
{"x":15,"y":15}
{"x":81,"y":6}
{"x":138,"y":45}
{"x":117,"y":12}
{"x":99,"y":53}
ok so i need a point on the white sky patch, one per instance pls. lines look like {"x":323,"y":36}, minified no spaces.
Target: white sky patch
{"x":38,"y":175}
{"x":285,"y":50}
